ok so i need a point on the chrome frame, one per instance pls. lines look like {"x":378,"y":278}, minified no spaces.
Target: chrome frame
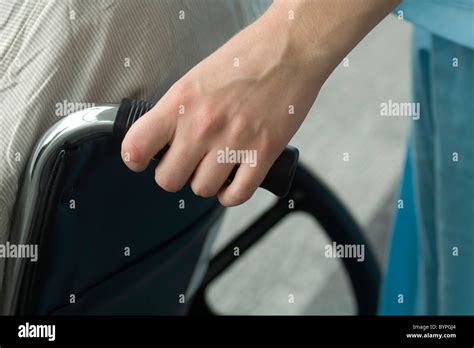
{"x":73,"y":128}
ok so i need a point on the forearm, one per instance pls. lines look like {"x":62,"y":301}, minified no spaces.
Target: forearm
{"x":252,"y":93}
{"x":320,"y":33}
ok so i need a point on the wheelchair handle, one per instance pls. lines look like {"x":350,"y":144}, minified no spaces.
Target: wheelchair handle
{"x":278,"y":180}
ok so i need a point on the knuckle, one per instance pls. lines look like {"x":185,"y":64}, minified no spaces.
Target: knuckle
{"x":167,"y":183}
{"x":183,"y":93}
{"x":268,"y":142}
{"x":240,"y":195}
{"x":224,"y":202}
{"x":240,"y":127}
{"x":202,"y":190}
{"x":207,"y":121}
{"x":207,"y":108}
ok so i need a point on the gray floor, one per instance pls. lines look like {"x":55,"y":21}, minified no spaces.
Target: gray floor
{"x":345,"y":118}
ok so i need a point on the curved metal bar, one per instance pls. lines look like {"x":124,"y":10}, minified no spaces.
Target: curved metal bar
{"x":76,"y":127}
{"x":310,"y":195}
{"x":313,"y":197}
{"x":245,"y":241}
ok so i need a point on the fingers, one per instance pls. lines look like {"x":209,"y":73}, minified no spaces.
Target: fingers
{"x":188,"y":157}
{"x":147,"y":136}
{"x":178,"y":164}
{"x":246,"y":181}
{"x":210,"y":176}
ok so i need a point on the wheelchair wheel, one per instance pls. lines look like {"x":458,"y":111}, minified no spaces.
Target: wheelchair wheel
{"x":313,"y":197}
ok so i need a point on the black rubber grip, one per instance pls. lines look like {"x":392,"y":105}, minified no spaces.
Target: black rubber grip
{"x":278,"y":180}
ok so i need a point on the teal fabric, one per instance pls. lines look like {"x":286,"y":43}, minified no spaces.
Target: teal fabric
{"x":431,"y":259}
{"x":399,"y":287}
{"x":449,"y":19}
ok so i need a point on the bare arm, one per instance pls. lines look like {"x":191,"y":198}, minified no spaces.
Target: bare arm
{"x":242,"y":96}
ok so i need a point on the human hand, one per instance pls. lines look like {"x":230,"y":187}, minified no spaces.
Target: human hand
{"x":251,"y":95}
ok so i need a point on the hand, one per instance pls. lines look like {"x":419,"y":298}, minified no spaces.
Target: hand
{"x":251,"y":94}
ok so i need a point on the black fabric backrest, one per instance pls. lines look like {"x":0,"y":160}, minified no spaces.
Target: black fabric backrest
{"x":98,"y":211}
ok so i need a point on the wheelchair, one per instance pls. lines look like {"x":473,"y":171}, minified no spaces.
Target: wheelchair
{"x":111,"y":242}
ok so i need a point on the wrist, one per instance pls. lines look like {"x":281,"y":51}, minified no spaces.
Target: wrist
{"x":293,"y":25}
{"x":320,"y":33}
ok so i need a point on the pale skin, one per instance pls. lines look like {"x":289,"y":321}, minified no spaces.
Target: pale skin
{"x":240,"y":96}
